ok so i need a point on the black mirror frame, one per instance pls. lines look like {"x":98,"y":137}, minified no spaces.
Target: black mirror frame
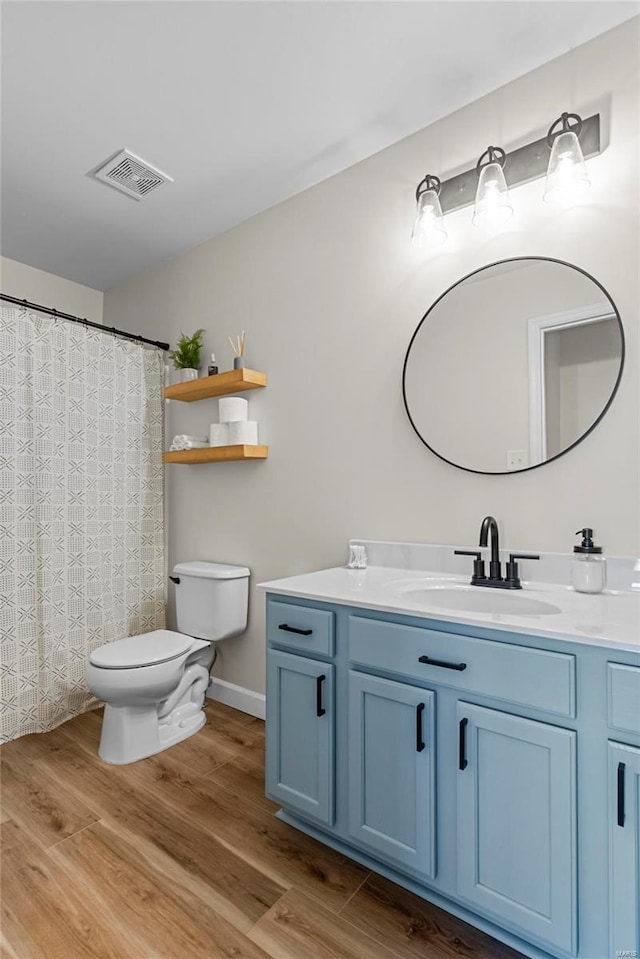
{"x":514,"y":259}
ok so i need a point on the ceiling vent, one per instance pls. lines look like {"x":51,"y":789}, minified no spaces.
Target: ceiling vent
{"x":131,"y":175}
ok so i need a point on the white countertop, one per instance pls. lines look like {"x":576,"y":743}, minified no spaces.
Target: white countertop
{"x":609,"y":619}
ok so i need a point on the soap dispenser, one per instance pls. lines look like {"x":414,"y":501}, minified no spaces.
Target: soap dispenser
{"x":588,"y":567}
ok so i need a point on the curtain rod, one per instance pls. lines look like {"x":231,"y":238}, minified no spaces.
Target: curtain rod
{"x":27,"y":304}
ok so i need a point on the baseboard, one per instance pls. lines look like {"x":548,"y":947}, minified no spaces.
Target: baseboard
{"x":246,"y":700}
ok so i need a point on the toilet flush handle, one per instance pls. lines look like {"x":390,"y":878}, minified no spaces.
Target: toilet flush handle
{"x":175,"y":579}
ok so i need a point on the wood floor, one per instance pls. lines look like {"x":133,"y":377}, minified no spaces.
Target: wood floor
{"x":180,"y":856}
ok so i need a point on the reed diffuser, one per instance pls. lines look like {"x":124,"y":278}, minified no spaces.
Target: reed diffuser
{"x":237,"y":346}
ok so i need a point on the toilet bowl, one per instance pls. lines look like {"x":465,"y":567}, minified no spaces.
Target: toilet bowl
{"x":154,"y":685}
{"x":149,"y":705}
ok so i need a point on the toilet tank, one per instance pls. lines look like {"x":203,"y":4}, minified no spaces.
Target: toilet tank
{"x":211,"y":599}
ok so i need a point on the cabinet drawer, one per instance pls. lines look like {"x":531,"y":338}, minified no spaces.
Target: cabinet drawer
{"x":623,"y":697}
{"x":300,"y":627}
{"x":514,"y":674}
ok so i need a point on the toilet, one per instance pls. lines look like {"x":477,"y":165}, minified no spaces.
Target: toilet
{"x":154,"y":685}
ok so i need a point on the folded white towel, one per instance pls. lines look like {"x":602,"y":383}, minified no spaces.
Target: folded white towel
{"x":185,"y":442}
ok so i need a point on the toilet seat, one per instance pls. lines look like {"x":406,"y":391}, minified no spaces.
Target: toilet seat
{"x":148,"y":649}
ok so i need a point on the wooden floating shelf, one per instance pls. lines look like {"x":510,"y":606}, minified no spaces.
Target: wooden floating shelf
{"x":233,"y":381}
{"x":217,"y":454}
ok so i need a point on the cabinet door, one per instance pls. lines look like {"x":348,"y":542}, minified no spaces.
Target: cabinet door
{"x":391,"y":771}
{"x":517,"y":822}
{"x":300,"y":734}
{"x":624,"y":850}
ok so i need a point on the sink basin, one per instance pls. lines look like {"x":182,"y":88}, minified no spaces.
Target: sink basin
{"x":475,"y":599}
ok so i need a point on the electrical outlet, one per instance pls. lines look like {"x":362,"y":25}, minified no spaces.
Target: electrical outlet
{"x":517,"y":460}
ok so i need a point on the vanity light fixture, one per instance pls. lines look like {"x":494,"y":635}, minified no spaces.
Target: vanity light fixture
{"x":486,"y":186}
{"x":567,"y":177}
{"x":428,"y":228}
{"x":492,"y":206}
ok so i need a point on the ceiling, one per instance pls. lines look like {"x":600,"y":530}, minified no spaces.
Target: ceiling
{"x":242,"y":103}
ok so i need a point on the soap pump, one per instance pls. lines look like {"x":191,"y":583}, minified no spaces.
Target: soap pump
{"x":588,"y":567}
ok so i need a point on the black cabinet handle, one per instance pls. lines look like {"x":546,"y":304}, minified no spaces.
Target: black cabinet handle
{"x":621,"y":768}
{"x":175,"y":579}
{"x":294,"y":629}
{"x":320,"y":710}
{"x":462,"y":744}
{"x":443,"y":663}
{"x":420,"y":743}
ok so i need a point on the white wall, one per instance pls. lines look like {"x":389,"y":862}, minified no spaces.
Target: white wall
{"x":330,"y":290}
{"x":45,"y":289}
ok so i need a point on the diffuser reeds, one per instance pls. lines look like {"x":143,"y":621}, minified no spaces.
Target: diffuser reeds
{"x":237,"y":345}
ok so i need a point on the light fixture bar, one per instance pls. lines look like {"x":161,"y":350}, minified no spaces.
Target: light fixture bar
{"x":527,"y":163}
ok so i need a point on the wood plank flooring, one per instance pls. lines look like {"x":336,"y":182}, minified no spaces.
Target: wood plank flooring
{"x":180,"y":857}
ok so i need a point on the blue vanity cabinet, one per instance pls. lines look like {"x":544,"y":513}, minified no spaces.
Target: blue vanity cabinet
{"x":300,"y":734}
{"x":494,"y":773}
{"x":516,"y":822}
{"x":624,"y":850}
{"x":391,"y":771}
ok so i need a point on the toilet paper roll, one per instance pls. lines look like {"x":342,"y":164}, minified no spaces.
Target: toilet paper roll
{"x":243,"y":432}
{"x":219,"y":434}
{"x":233,"y":409}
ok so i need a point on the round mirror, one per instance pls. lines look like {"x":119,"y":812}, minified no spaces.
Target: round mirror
{"x":513,"y":365}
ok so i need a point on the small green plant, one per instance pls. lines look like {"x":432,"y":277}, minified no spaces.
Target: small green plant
{"x":186,"y":355}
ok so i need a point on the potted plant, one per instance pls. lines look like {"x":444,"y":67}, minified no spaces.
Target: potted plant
{"x":186,"y":356}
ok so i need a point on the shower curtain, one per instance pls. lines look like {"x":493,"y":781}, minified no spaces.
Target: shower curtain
{"x":81,"y":509}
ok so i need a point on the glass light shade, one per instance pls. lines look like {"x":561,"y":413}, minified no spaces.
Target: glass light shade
{"x":493,"y":205}
{"x":428,"y":229}
{"x":567,"y":177}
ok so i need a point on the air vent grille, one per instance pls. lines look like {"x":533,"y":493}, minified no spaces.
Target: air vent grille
{"x":131,"y":175}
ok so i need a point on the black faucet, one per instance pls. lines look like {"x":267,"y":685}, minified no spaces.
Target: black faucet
{"x":512,"y":579}
{"x":489,"y":523}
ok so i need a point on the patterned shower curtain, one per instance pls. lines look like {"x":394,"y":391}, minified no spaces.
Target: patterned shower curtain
{"x":81,"y":509}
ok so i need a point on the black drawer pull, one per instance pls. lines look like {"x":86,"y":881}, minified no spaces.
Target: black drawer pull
{"x":420,"y":743}
{"x":320,"y":710}
{"x":462,"y":744}
{"x":621,"y":768}
{"x":294,"y":629}
{"x":443,"y":663}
